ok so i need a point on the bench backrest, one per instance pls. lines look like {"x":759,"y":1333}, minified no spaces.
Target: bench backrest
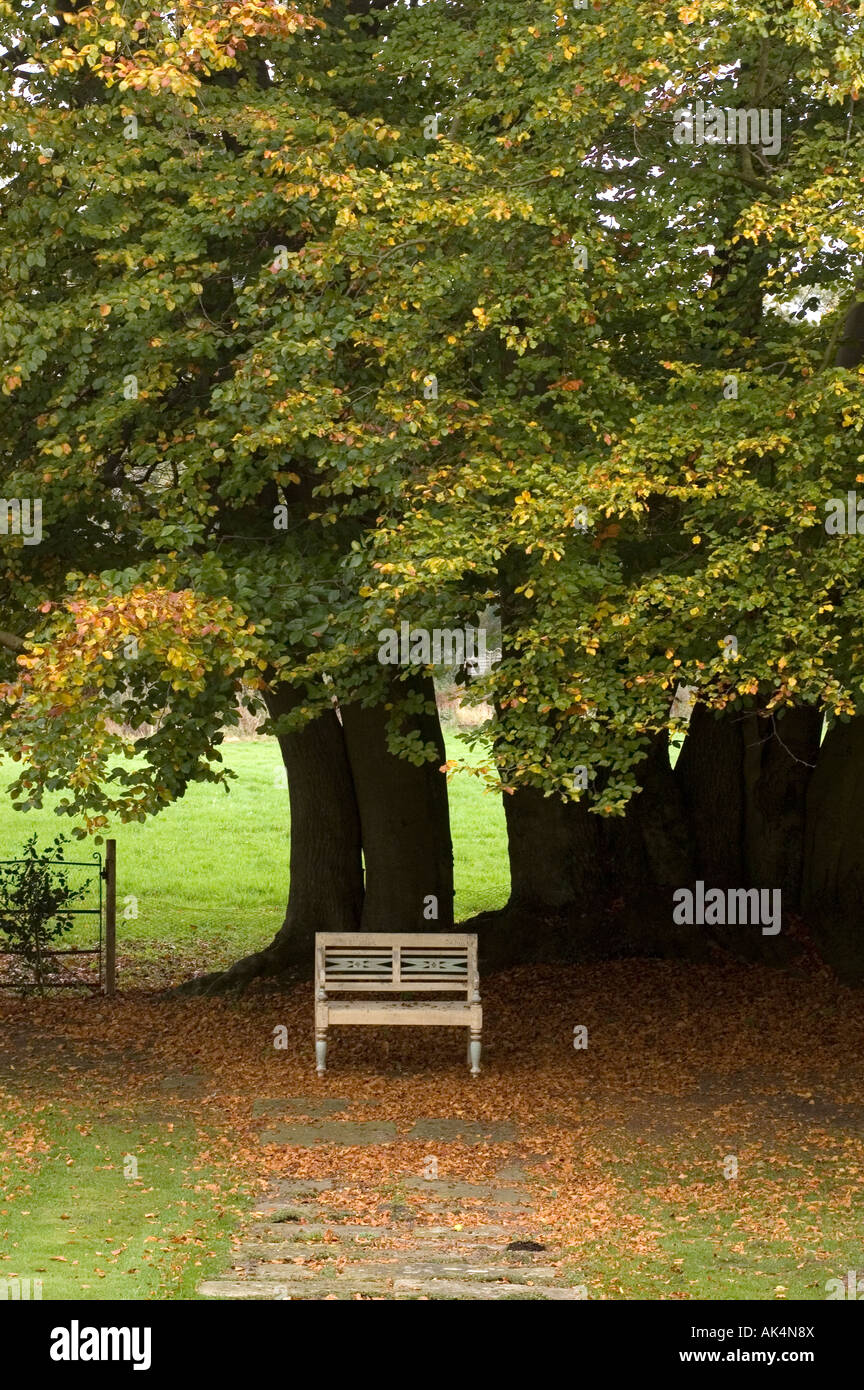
{"x":389,"y":962}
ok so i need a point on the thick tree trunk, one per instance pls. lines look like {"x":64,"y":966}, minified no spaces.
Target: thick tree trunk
{"x":649,"y":853}
{"x":710,"y":774}
{"x":588,"y":888}
{"x":780,"y":755}
{"x":326,"y":878}
{"x":346,"y":790}
{"x":833,"y":891}
{"x":554,"y":852}
{"x":834,"y":859}
{"x":648,"y":849}
{"x":850,"y":352}
{"x":744,"y":779}
{"x":404,"y":816}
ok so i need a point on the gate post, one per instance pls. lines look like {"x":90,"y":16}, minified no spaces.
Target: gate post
{"x":110,"y":916}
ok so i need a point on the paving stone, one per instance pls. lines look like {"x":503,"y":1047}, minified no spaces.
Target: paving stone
{"x":286,"y":1282}
{"x":266,"y":1271}
{"x":467,"y":1235}
{"x":238,"y":1288}
{"x":312,"y":1289}
{"x":355,"y":1133}
{"x":484,"y":1273}
{"x":452,"y":1288}
{"x":315,"y":1289}
{"x":290,"y":1274}
{"x":305,"y":1252}
{"x":271,"y":1108}
{"x":514,"y":1172}
{"x":287,"y":1231}
{"x":464,"y":1131}
{"x":352,"y":1251}
{"x":376,"y":1281}
{"x":400,"y":1213}
{"x":437,"y":1187}
{"x":454,"y":1254}
{"x":316,"y":1106}
{"x":399,"y":1269}
{"x":302,"y":1187}
{"x":278,"y":1212}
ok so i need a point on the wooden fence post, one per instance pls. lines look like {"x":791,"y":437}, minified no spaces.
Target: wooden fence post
{"x":110,"y":915}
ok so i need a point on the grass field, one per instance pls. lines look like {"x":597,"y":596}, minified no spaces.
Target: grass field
{"x":80,"y":1221}
{"x":209,"y":876}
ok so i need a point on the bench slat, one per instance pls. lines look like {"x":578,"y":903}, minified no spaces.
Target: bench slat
{"x":372,"y":939}
{"x":429,"y":1014}
{"x":424,"y":986}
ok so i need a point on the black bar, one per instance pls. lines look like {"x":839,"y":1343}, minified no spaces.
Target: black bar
{"x":213,"y":1337}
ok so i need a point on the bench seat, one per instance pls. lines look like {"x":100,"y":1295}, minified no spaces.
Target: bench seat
{"x":372,"y":964}
{"x":431,"y":1013}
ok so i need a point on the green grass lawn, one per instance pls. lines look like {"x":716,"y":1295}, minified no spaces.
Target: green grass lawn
{"x":214,"y":867}
{"x":88,"y":1229}
{"x":704,"y":1251}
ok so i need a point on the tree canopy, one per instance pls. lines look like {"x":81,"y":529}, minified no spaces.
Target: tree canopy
{"x":317,"y":320}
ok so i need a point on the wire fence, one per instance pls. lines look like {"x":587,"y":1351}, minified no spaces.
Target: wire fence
{"x":104,"y":877}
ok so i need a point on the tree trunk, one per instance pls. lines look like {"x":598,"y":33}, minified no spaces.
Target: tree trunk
{"x":649,"y":853}
{"x":834,"y":858}
{"x":648,"y":849}
{"x":710,"y":774}
{"x":555,"y":885}
{"x":326,"y":878}
{"x":850,"y":353}
{"x":404,"y":816}
{"x":780,"y":755}
{"x":744,"y":778}
{"x":554,"y":852}
{"x":587,"y":888}
{"x":833,"y":891}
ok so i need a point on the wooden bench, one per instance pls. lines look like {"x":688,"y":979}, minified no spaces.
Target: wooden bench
{"x":369,"y":964}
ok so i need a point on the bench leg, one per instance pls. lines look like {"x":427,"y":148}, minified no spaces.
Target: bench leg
{"x":474,"y":1053}
{"x":321,"y":1050}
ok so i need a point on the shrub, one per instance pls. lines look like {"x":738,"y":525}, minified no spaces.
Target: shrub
{"x":35,"y":895}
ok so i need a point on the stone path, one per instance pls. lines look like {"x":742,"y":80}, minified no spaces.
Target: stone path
{"x":299,"y":1244}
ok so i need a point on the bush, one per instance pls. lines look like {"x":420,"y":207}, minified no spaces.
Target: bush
{"x":35,"y":895}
